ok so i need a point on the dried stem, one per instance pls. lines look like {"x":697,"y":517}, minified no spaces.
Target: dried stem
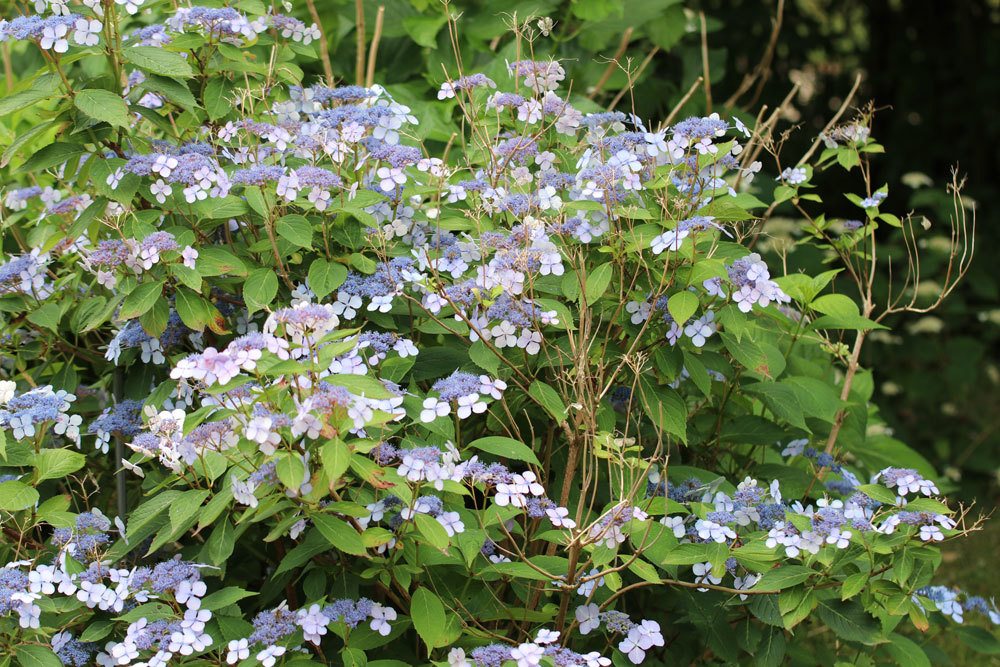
{"x":610,"y":69}
{"x":373,"y":49}
{"x":324,"y":45}
{"x":359,"y":35}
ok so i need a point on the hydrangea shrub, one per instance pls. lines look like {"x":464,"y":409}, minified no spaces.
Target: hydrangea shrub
{"x":289,"y":380}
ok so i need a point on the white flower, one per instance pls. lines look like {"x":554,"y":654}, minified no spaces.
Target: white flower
{"x":745,"y":583}
{"x":380,"y":619}
{"x":161,"y":190}
{"x":452,"y":522}
{"x":237,"y":650}
{"x":709,"y":530}
{"x":676,"y":524}
{"x":54,"y":37}
{"x":456,"y":658}
{"x":269,"y":656}
{"x":390,"y":177}
{"x":7,"y":389}
{"x":115,"y":177}
{"x":504,"y":334}
{"x":595,"y":659}
{"x":288,"y":187}
{"x":701,"y":329}
{"x":87,"y":31}
{"x":243,"y":492}
{"x":589,"y":617}
{"x":794,"y":175}
{"x":189,"y":255}
{"x":546,"y":636}
{"x":530,"y":341}
{"x":433,"y":408}
{"x":527,"y":655}
{"x":559,"y":516}
{"x":931,"y":533}
{"x":703,"y":573}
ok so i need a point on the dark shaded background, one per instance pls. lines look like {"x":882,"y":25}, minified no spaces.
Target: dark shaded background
{"x":932,"y":70}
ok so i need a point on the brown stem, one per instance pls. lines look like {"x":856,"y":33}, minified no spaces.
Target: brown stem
{"x":359,"y":30}
{"x":610,"y":69}
{"x":845,"y":392}
{"x":373,"y":49}
{"x":706,"y":74}
{"x":324,"y":48}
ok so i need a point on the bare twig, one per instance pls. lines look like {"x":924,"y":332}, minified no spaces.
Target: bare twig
{"x":373,"y":49}
{"x":833,"y":121}
{"x":324,"y":45}
{"x":359,"y":30}
{"x":609,"y":70}
{"x":680,"y":105}
{"x":632,"y":77}
{"x":705,"y":73}
{"x":762,"y":72}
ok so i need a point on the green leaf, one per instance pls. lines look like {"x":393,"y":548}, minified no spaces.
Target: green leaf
{"x":47,"y":316}
{"x":224,"y":598}
{"x":52,"y":155}
{"x":336,"y":457}
{"x":783,"y":577}
{"x":176,"y":91}
{"x":428,"y":616}
{"x":507,"y":448}
{"x":840,"y":312}
{"x":290,"y":470}
{"x":664,"y":406}
{"x":549,"y":399}
{"x":193,"y":310}
{"x":977,"y":638}
{"x":771,"y":651}
{"x":140,"y":300}
{"x":215,"y":261}
{"x":782,"y":400}
{"x":906,"y":652}
{"x":156,"y":60}
{"x":33,"y":655}
{"x":295,"y":229}
{"x":339,"y":534}
{"x":57,"y":463}
{"x":853,"y":585}
{"x":879,"y":493}
{"x":360,"y":385}
{"x":260,"y":288}
{"x":324,"y":276}
{"x":41,"y":88}
{"x":16,"y":496}
{"x":484,"y":357}
{"x":849,"y":621}
{"x":682,"y":306}
{"x":424,"y":29}
{"x":103,"y":105}
{"x":597,"y":282}
{"x":23,"y":139}
{"x":433,"y":531}
{"x":218,"y":97}
{"x":222,"y":541}
{"x":184,"y":508}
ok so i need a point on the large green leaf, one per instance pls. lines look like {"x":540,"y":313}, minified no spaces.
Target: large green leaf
{"x":428,"y":616}
{"x":156,"y":60}
{"x":103,"y":105}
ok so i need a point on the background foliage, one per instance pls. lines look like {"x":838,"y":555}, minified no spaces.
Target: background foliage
{"x":672,"y":44}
